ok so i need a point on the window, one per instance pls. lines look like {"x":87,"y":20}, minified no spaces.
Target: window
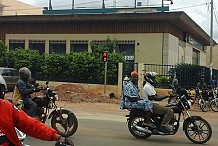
{"x":37,"y":45}
{"x":195,"y":57}
{"x":13,"y":44}
{"x":79,"y":46}
{"x":57,"y":46}
{"x":128,"y":47}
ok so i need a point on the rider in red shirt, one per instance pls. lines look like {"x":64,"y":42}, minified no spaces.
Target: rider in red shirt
{"x":13,"y":117}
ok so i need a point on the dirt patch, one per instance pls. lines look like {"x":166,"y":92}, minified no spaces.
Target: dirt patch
{"x":77,"y":94}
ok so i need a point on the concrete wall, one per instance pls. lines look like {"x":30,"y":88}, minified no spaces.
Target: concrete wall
{"x":170,"y":49}
{"x":14,"y":7}
{"x":214,"y":57}
{"x":145,"y":44}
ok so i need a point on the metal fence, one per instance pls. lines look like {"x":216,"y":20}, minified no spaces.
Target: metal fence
{"x":187,"y":75}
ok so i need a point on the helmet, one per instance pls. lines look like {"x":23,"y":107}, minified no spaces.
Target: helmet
{"x":150,"y":77}
{"x":25,"y":73}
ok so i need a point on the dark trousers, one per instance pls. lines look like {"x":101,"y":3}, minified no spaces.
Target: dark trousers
{"x":32,"y":107}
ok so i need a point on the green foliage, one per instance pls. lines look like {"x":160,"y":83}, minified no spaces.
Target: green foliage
{"x":56,"y":66}
{"x":162,"y":81}
{"x":26,"y":57}
{"x":109,"y":46}
{"x":3,"y":51}
{"x":74,"y":67}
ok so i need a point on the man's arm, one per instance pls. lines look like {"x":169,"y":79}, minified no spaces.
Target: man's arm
{"x":33,"y":128}
{"x":22,"y":87}
{"x":157,"y":97}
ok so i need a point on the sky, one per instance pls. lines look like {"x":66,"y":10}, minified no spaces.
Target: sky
{"x":198,"y":10}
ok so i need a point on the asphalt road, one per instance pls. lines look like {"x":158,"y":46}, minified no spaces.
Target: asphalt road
{"x":99,"y":127}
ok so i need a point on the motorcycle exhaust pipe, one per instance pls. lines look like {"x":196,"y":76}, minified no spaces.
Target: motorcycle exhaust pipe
{"x":141,"y":129}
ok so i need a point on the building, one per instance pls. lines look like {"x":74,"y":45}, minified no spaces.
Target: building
{"x":14,"y":7}
{"x":154,"y":38}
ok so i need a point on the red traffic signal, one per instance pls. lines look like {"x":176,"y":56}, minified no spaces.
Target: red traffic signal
{"x":104,"y":56}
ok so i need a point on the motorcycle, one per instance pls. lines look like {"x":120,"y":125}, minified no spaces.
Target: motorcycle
{"x":196,"y":129}
{"x":62,"y":120}
{"x":205,"y":101}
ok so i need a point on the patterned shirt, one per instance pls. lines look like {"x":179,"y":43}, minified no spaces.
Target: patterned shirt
{"x":130,"y":90}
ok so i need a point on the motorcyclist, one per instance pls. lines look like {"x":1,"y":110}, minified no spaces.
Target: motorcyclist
{"x":13,"y":117}
{"x":150,"y":93}
{"x":203,"y":87}
{"x":23,"y":90}
{"x":131,"y":98}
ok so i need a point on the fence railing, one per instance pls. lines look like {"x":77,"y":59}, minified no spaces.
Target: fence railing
{"x":188,"y":76}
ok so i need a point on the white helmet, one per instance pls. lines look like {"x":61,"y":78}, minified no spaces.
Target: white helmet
{"x":150,"y":77}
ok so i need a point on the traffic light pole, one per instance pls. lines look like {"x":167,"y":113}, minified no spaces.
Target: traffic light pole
{"x":105,"y":76}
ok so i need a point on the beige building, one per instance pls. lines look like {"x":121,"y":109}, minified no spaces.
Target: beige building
{"x":14,"y":7}
{"x":214,"y":57}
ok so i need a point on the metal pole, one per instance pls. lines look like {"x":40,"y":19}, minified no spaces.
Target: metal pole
{"x":105,"y":77}
{"x":72,"y":4}
{"x":103,"y":4}
{"x":50,"y":6}
{"x":115,"y":3}
{"x":211,"y":40}
{"x":135,"y":4}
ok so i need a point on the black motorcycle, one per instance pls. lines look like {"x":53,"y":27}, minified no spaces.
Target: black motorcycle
{"x":62,"y":120}
{"x":197,"y":129}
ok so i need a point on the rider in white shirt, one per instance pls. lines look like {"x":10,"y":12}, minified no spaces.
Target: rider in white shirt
{"x":150,"y":93}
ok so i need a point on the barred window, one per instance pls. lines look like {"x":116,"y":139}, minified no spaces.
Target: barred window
{"x":16,"y":43}
{"x":195,"y":57}
{"x":57,"y":46}
{"x":37,"y":45}
{"x":79,"y":46}
{"x":127,"y":46}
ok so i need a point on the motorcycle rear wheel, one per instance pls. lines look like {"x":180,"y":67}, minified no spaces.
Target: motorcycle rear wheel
{"x":199,"y":132}
{"x":137,"y":120}
{"x":214,"y":105}
{"x":62,"y":127}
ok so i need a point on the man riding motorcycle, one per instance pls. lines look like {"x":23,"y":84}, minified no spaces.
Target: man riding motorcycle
{"x":12,"y":117}
{"x":131,"y":99}
{"x":150,"y":93}
{"x":23,"y":90}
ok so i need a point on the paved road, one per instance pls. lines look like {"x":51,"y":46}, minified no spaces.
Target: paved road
{"x":98,"y":127}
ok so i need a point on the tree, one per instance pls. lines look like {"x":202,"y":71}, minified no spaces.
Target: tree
{"x":3,"y":51}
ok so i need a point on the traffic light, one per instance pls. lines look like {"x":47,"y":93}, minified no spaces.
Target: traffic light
{"x":104,"y":56}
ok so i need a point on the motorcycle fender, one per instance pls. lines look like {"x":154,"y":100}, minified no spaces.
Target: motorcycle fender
{"x":188,"y":120}
{"x":53,"y":113}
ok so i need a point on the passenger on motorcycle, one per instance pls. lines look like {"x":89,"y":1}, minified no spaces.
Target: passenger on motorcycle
{"x":131,"y":100}
{"x":13,"y":117}
{"x":149,"y":93}
{"x":23,"y":90}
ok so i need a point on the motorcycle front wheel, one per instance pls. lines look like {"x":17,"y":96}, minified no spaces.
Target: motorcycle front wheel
{"x":214,"y":105}
{"x":134,"y":121}
{"x":198,"y":130}
{"x":61,"y":124}
{"x":203,"y":105}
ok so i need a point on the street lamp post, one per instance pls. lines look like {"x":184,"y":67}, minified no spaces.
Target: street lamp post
{"x":211,"y":41}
